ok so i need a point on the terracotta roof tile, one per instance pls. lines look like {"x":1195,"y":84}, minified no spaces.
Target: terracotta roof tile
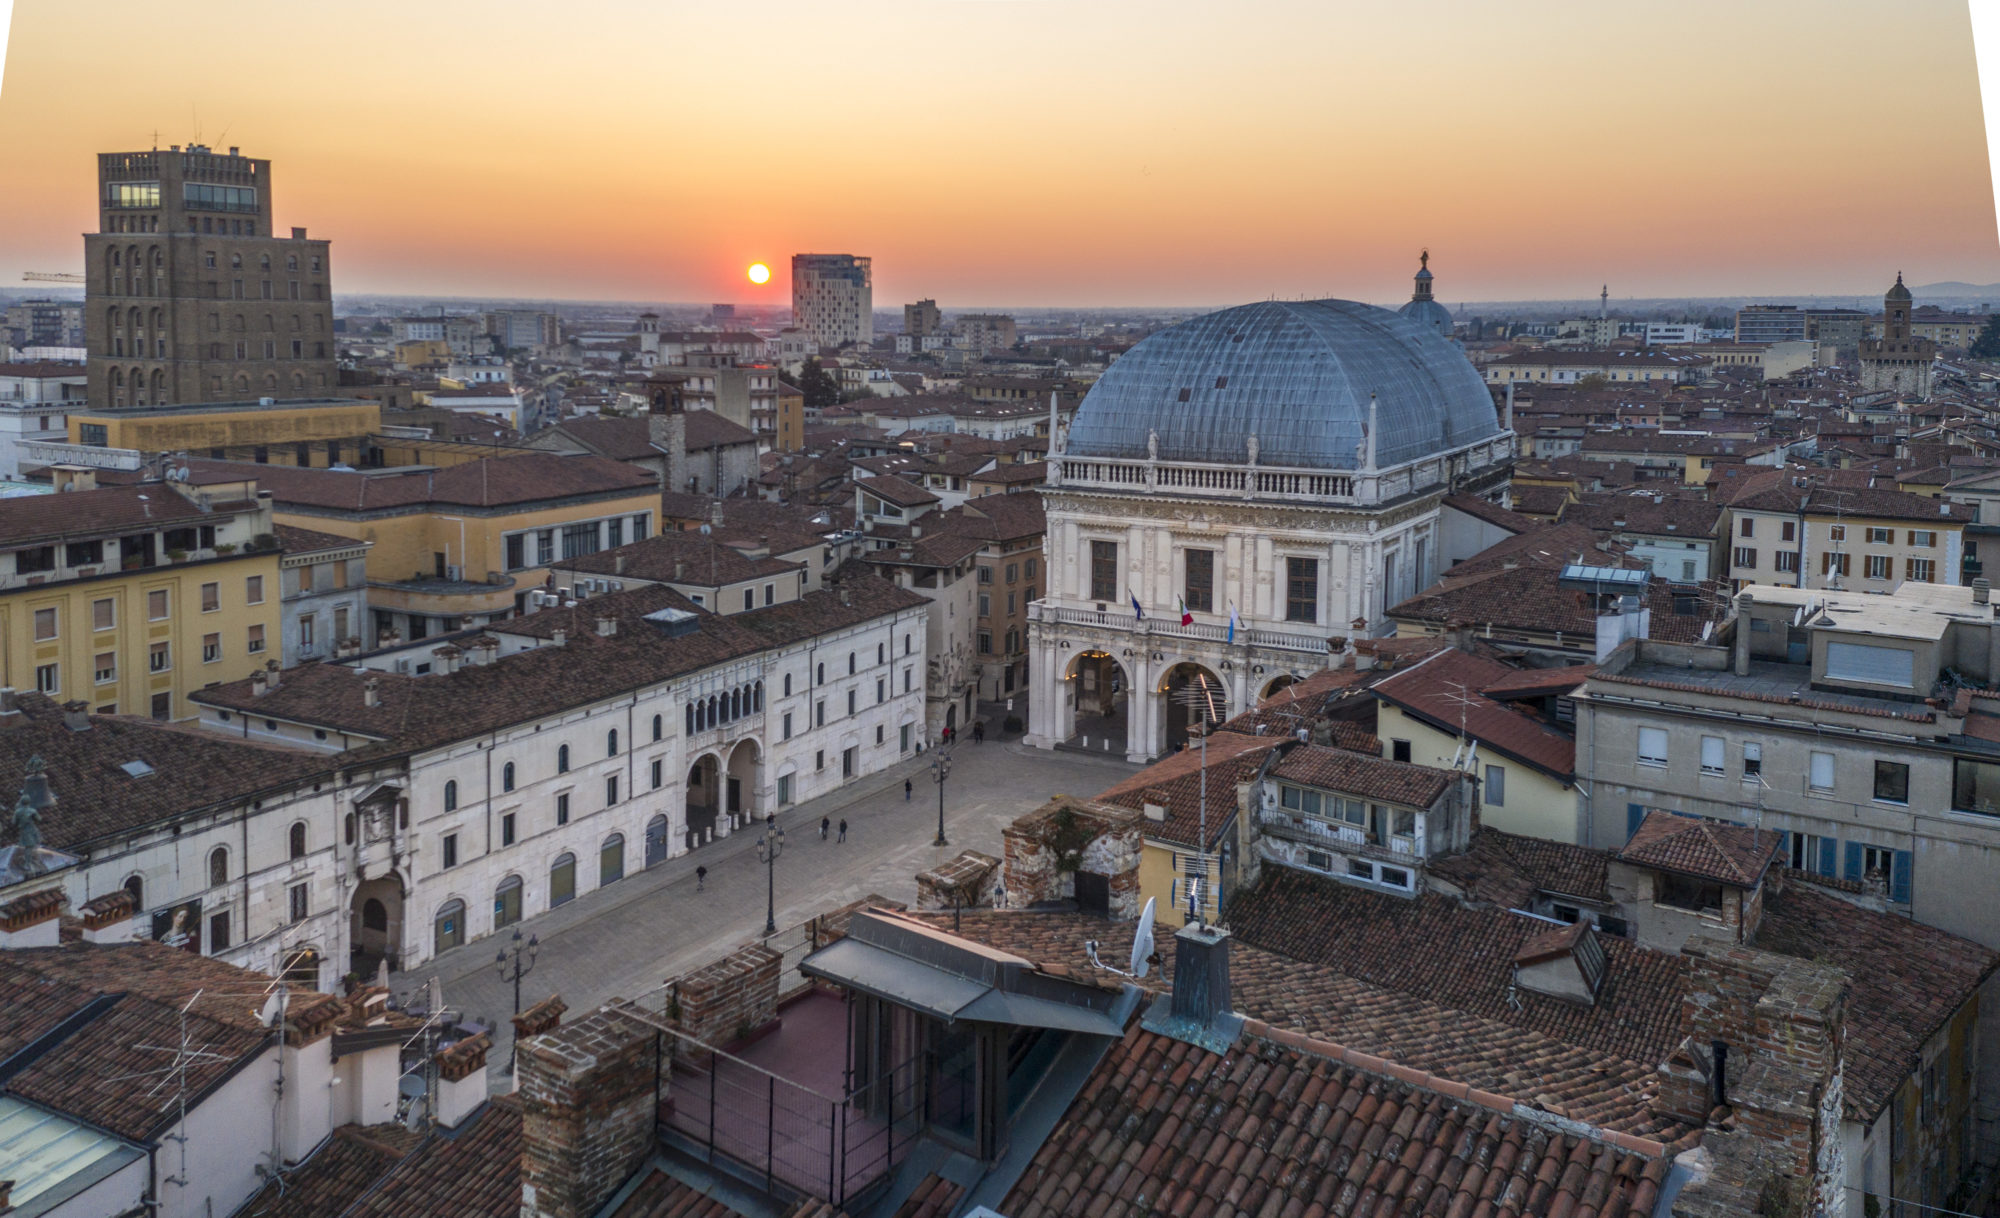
{"x":660,"y":1195}
{"x":1351,"y":773}
{"x":1729,"y":854}
{"x":1444,"y":691}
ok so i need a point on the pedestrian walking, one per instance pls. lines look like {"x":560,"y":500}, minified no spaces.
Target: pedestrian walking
{"x":979,"y":732}
{"x":843,"y":828}
{"x":906,"y":790}
{"x":824,"y":824}
{"x":700,"y":877}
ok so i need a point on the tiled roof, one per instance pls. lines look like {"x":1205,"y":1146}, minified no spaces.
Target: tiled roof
{"x":96,"y":798}
{"x":1728,"y":854}
{"x":1164,"y":1127}
{"x":474,"y":1172}
{"x":933,"y":1197}
{"x":706,"y":429}
{"x":1691,"y":518}
{"x":1855,"y":503}
{"x":1317,"y":999}
{"x":1907,"y":979}
{"x":32,"y":519}
{"x":295,"y":540}
{"x":895,"y":490}
{"x":1395,"y":943}
{"x":1351,"y":773}
{"x":1492,"y":513}
{"x":1510,"y":871}
{"x":619,"y":439}
{"x":1000,"y":517}
{"x":1177,"y":780}
{"x":419,"y":712}
{"x":1444,"y":691}
{"x":660,"y":1195}
{"x":345,"y":1166}
{"x":687,"y":558}
{"x":1537,"y":682}
{"x":522,"y":478}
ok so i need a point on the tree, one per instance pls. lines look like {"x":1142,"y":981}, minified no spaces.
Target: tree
{"x":818,"y":385}
{"x":1592,"y":383}
{"x":1987,"y":345}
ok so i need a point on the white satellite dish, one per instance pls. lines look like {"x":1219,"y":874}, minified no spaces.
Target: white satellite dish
{"x":1142,"y":941}
{"x":272,"y":1006}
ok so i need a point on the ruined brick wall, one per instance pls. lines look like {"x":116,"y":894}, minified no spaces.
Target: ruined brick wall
{"x":734,"y":995}
{"x":587,"y":1113}
{"x":1115,"y":853}
{"x":1029,"y":868}
{"x":967,"y":881}
{"x":1109,"y":839}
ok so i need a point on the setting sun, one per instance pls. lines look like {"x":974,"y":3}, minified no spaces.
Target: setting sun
{"x":759,"y":273}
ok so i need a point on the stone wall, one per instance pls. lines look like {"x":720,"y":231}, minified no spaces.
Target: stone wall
{"x":587,"y":1112}
{"x":1045,"y":849}
{"x":966,"y":882}
{"x":721,"y":1002}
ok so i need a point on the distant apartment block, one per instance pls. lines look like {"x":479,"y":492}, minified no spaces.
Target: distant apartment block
{"x":833,"y":298}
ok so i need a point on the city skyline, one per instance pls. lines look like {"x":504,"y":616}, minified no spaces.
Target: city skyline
{"x":1786,"y":150}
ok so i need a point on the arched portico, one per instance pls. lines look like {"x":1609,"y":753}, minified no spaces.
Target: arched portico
{"x":1188,"y":694}
{"x":704,"y":800}
{"x":1093,"y":702}
{"x":743,"y":784}
{"x":375,"y":927}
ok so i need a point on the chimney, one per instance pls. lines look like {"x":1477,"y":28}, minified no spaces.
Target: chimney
{"x":33,"y":920}
{"x":462,"y":1079}
{"x":558,"y":638}
{"x":618,"y":562}
{"x":1201,"y":975}
{"x":588,"y":1109}
{"x":1743,"y":602}
{"x":680,"y":569}
{"x":1155,"y":804}
{"x":108,"y":919}
{"x":76,"y":716}
{"x":10,"y":701}
{"x":607,"y":626}
{"x":1982,"y":593}
{"x":371,"y":692}
{"x":270,"y":674}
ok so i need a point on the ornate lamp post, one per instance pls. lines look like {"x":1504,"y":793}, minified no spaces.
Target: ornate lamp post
{"x":940,"y":770}
{"x":514,"y":962}
{"x":768,"y":848}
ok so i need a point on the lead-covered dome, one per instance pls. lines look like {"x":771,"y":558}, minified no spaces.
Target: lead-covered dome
{"x":1295,"y":374}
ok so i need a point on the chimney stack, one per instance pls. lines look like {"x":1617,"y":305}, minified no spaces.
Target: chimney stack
{"x":371,"y":692}
{"x":271,"y":674}
{"x":607,"y":626}
{"x":10,"y":700}
{"x":1743,"y":602}
{"x":1982,"y":591}
{"x":1201,"y":975}
{"x":462,"y":1079}
{"x":76,"y":716}
{"x":558,"y":638}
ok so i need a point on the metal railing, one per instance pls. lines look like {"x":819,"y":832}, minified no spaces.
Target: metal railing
{"x":1277,"y":640}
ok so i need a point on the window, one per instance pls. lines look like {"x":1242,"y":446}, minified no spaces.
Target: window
{"x":985,"y":605}
{"x":1652,"y":746}
{"x":1496,"y":786}
{"x":879,"y":730}
{"x":1830,"y":563}
{"x":1029,"y":569}
{"x":83,"y":553}
{"x":611,"y":860}
{"x":507,"y":829}
{"x":1682,"y":892}
{"x":1399,"y":750}
{"x":1753,"y":760}
{"x":850,"y":702}
{"x":1200,"y":581}
{"x":1922,"y":570}
{"x":788,"y":685}
{"x":659,"y":727}
{"x":253,"y":589}
{"x":1819,"y":773}
{"x":41,"y":558}
{"x":1784,"y":561}
{"x":156,"y":605}
{"x":1881,"y":537}
{"x":507,"y":902}
{"x":847,"y":762}
{"x":1748,"y":527}
{"x":611,"y":743}
{"x":611,"y":790}
{"x":881,"y":691}
{"x":451,"y":795}
{"x":1302,"y":589}
{"x":658,"y":773}
{"x":1712,"y":751}
{"x":1104,"y":570}
{"x":449,"y":929}
{"x":1879,"y":566}
{"x":906,"y":738}
{"x":562,"y":880}
{"x":1837,"y":532}
{"x":211,"y":597}
{"x":163,"y":709}
{"x":103,"y":614}
{"x":106,"y":666}
{"x":1788,"y":531}
{"x":819,"y":713}
{"x":819,"y":760}
{"x":1923,"y":539}
{"x":985,"y":575}
{"x":1892,"y":782}
{"x":562,"y":808}
{"x":45,"y":625}
{"x":784,"y":790}
{"x":1746,"y":558}
{"x":47,"y":679}
{"x":562,"y":760}
{"x":256,"y":643}
{"x":451,"y":850}
{"x":218,"y":866}
{"x":788,"y":727}
{"x":218,"y":931}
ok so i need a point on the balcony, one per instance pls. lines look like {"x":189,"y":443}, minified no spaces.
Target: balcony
{"x":1273,"y":640}
{"x":1318,"y":832}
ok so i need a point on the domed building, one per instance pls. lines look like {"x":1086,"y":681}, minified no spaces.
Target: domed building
{"x":1423,"y":307}
{"x":1237,"y":497}
{"x":1899,"y":361}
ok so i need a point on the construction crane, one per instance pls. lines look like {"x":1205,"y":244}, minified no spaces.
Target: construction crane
{"x":51,"y":277}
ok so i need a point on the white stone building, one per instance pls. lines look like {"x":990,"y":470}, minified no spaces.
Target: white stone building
{"x":1276,"y":469}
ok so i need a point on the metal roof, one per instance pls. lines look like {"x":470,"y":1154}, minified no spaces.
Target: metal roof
{"x":1297,"y":375}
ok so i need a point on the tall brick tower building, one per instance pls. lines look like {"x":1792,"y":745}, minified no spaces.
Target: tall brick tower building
{"x":1898,"y":360}
{"x":190,"y":294}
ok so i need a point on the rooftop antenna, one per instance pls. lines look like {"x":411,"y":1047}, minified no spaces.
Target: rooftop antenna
{"x":1142,"y":947}
{"x":174,"y":1075}
{"x":1198,"y":699}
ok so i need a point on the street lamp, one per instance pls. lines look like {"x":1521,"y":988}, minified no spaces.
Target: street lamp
{"x":940,"y":770}
{"x":515,"y":962}
{"x":768,"y":848}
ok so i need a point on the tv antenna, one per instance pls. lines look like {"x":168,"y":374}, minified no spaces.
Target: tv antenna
{"x":1142,"y":957}
{"x":1198,"y":699}
{"x":174,"y":1075}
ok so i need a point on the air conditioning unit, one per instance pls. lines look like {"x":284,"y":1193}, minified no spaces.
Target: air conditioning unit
{"x":403,"y":666}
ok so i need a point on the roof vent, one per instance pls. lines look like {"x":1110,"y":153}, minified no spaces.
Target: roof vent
{"x":137,"y":769}
{"x":76,"y":716}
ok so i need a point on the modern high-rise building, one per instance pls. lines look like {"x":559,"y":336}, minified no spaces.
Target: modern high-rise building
{"x":833,"y":298}
{"x":191,"y":296}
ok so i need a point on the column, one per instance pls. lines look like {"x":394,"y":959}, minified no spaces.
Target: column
{"x":1140,"y":707}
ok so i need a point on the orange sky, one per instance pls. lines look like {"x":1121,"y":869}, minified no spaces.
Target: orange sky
{"x":1064,"y":152}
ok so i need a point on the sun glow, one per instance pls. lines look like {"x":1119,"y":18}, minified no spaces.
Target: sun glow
{"x":759,"y":273}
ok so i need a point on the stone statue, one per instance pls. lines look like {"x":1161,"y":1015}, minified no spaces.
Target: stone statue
{"x":1152,"y":444}
{"x":27,"y":836}
{"x":1251,"y":445}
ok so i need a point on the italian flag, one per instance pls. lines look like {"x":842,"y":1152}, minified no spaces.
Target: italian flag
{"x":1187,"y":619}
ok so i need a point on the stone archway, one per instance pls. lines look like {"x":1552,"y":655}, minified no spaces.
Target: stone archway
{"x":375,"y":927}
{"x":742,"y":784}
{"x":704,"y":800}
{"x":1192,"y":694}
{"x":1094,"y":705}
{"x":1276,"y":685}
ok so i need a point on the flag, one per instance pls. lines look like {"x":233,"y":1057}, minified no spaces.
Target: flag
{"x":1141,"y":613}
{"x":1187,"y":619}
{"x":1232,"y":621}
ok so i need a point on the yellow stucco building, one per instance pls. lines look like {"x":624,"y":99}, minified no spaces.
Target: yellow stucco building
{"x":129,"y":598}
{"x":207,"y":429}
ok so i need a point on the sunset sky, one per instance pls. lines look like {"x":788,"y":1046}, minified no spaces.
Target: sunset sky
{"x":1058,"y":152}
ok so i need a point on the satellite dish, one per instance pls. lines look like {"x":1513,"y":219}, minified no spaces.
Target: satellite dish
{"x":1142,"y":940}
{"x":272,"y":1005}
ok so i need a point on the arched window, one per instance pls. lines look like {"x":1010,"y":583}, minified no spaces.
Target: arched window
{"x":690,"y":718}
{"x":236,"y":262}
{"x":291,"y":262}
{"x":135,"y":885}
{"x":562,"y":760}
{"x":659,"y":727}
{"x":349,"y":832}
{"x":562,"y":880}
{"x":735,"y":704}
{"x":451,"y":795}
{"x":117,"y":258}
{"x":299,"y":840}
{"x":611,"y":860}
{"x":759,"y":708}
{"x":788,"y":685}
{"x":450,"y":925}
{"x":611,"y":743}
{"x":879,"y":649}
{"x":374,"y":915}
{"x":507,"y":902}
{"x":264,"y":262}
{"x":507,"y":777}
{"x":218,"y":866}
{"x":819,"y":675}
{"x":850,"y":663}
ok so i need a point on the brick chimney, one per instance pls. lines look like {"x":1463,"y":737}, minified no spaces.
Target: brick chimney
{"x":371,"y":692}
{"x":587,"y":1112}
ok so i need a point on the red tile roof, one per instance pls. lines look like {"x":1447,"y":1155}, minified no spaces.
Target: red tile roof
{"x":523,"y":478}
{"x":1728,"y":854}
{"x":1444,"y":691}
{"x":1334,"y":769}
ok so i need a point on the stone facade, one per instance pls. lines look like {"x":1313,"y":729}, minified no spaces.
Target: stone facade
{"x":968,"y":881}
{"x":1046,"y":849}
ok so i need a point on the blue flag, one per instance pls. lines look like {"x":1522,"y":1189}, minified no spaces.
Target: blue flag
{"x":1232,"y":621}
{"x":1135,"y":605}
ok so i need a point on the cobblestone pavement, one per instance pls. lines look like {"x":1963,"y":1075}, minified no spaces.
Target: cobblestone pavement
{"x":653,"y":924}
